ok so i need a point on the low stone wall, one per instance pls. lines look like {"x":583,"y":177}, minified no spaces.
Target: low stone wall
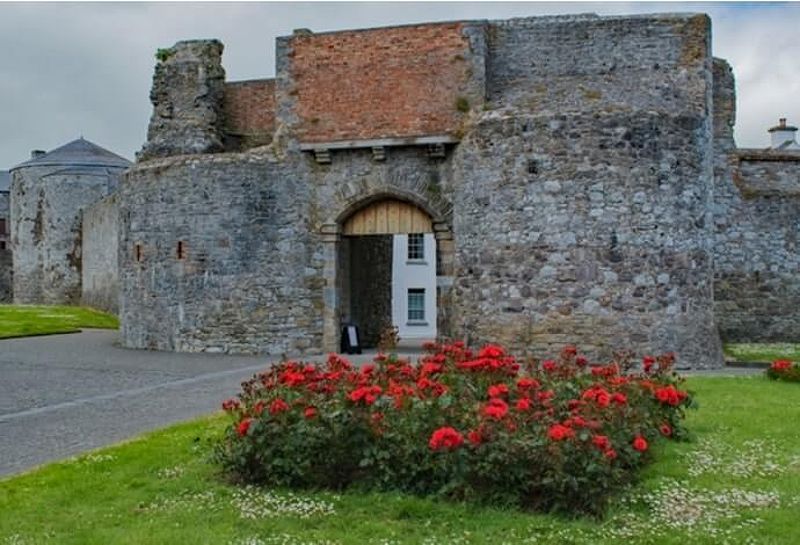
{"x":756,"y":230}
{"x":757,"y":285}
{"x":99,"y":278}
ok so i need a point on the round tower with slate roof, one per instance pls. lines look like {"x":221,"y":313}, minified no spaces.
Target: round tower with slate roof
{"x":48,"y":195}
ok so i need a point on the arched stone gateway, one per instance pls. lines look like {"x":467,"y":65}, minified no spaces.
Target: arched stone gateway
{"x":388,"y":263}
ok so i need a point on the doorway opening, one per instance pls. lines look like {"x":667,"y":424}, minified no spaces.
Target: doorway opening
{"x":386,"y":273}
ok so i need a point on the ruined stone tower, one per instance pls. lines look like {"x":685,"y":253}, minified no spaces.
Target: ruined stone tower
{"x":48,"y":195}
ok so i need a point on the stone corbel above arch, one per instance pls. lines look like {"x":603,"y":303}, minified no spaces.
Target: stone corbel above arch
{"x":435,"y":144}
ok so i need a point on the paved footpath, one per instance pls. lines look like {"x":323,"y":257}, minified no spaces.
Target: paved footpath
{"x":62,"y":395}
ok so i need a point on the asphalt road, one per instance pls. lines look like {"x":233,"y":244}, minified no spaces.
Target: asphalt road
{"x":62,"y":395}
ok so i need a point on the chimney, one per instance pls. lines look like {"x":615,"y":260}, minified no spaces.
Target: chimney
{"x":782,"y":136}
{"x":35,"y":154}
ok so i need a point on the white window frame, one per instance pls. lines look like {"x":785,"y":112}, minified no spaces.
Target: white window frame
{"x":418,"y":295}
{"x":418,"y":247}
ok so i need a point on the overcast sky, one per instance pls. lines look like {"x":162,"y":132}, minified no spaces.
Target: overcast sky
{"x":85,"y":69}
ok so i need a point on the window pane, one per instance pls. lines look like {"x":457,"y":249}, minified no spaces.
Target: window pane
{"x":416,"y":304}
{"x":416,"y":246}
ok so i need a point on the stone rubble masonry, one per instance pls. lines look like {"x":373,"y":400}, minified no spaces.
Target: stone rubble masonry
{"x":46,"y":207}
{"x":100,"y":232}
{"x":6,"y":266}
{"x":603,"y":203}
{"x":187,"y":95}
{"x":756,"y":231}
{"x":595,"y":196}
{"x":6,"y":276}
{"x":575,"y":63}
{"x":250,"y":277}
{"x":249,"y":109}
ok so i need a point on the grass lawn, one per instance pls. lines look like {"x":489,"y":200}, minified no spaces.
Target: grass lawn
{"x":24,"y":320}
{"x":738,"y":482}
{"x":763,"y":352}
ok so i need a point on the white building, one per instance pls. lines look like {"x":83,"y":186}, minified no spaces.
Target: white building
{"x":414,"y":287}
{"x":783,"y":137}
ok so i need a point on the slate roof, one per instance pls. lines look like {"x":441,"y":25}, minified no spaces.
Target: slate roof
{"x":5,"y":181}
{"x":789,"y":145}
{"x":79,"y":152}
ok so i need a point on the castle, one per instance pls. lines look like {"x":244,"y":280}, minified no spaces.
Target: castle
{"x":535,"y":182}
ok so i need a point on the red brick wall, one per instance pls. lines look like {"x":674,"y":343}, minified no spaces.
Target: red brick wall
{"x":379,"y":83}
{"x":250,"y":110}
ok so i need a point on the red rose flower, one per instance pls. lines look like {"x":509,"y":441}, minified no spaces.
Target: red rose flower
{"x":601,"y":441}
{"x":527,"y":383}
{"x":611,"y":454}
{"x":496,"y":408}
{"x":230,"y":404}
{"x":557,"y":432}
{"x":475,"y":437}
{"x":781,"y":365}
{"x":640,"y":443}
{"x":665,"y":429}
{"x":492,"y":351}
{"x":523,"y":404}
{"x":292,"y":378}
{"x":243,"y":426}
{"x":445,"y":438}
{"x":278,"y":406}
{"x":366,"y":394}
{"x":258,"y":408}
{"x":549,"y":366}
{"x":545,"y":396}
{"x":498,"y":390}
{"x":310,"y":412}
{"x":669,"y":395}
{"x":619,"y":398}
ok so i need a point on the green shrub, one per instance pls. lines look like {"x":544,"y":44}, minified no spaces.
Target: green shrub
{"x":784,"y":370}
{"x":551,"y":435}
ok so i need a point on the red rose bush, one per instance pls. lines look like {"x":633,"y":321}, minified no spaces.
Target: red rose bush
{"x":556,"y":434}
{"x":784,"y":370}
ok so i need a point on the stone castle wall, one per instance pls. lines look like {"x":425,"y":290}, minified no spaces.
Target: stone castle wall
{"x":5,"y":206}
{"x":6,"y":272}
{"x":599,"y":192}
{"x":6,"y":276}
{"x":46,"y":207}
{"x":756,"y":232}
{"x":254,"y":278}
{"x":99,"y":240}
{"x":249,"y":279}
{"x":581,"y":203}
